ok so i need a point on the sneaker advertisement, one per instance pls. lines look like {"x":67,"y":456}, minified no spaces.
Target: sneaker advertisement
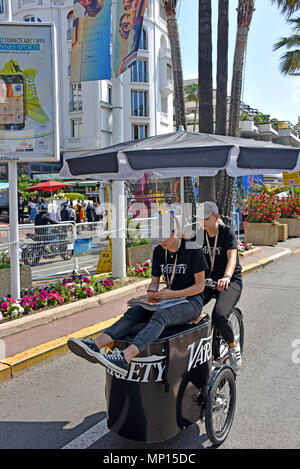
{"x":28,"y":114}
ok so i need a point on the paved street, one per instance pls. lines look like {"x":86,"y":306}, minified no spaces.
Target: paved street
{"x":62,"y":399}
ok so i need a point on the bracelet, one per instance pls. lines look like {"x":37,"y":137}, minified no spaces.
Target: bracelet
{"x":227,"y":276}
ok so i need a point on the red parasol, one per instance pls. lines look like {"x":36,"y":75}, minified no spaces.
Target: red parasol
{"x":49,"y":186}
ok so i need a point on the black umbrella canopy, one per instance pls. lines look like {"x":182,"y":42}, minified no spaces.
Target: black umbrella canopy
{"x":182,"y":154}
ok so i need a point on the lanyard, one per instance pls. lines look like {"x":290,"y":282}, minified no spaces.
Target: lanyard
{"x":212,"y":257}
{"x":170,"y":281}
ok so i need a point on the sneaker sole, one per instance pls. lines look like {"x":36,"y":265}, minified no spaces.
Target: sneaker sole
{"x":102,"y":360}
{"x":82,"y":350}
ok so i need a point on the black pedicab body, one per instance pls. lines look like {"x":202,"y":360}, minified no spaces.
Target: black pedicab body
{"x":168,"y":387}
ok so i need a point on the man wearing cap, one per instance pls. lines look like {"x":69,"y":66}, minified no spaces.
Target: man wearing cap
{"x":184,"y":273}
{"x":220,"y":250}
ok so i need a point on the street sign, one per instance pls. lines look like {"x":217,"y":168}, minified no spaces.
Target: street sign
{"x":28,"y":92}
{"x":291,"y":179}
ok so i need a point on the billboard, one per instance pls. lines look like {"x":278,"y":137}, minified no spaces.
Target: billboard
{"x":129,"y":23}
{"x":91,"y":41}
{"x":28,"y":92}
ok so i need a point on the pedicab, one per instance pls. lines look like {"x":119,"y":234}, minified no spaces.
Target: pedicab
{"x":182,"y":377}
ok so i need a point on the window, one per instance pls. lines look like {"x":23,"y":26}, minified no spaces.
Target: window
{"x":70,"y":25}
{"x":139,"y":103}
{"x":139,"y":131}
{"x":162,"y":12}
{"x":109,"y":94}
{"x":32,"y":19}
{"x":139,"y":71}
{"x":143,"y":44}
{"x":76,"y":128}
{"x":169,"y":72}
{"x":164,"y":104}
{"x":76,"y":97}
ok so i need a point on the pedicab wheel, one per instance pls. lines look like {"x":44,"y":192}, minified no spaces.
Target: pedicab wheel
{"x":220,"y":407}
{"x":32,"y":257}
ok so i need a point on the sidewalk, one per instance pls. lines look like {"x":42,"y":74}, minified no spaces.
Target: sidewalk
{"x":40,"y":340}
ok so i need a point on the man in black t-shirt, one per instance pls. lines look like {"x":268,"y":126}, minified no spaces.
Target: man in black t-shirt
{"x":220,"y":250}
{"x":184,"y":273}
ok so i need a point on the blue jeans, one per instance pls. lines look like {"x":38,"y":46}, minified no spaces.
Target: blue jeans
{"x":156,"y":321}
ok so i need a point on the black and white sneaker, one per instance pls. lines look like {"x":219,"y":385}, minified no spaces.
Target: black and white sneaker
{"x":114,"y":361}
{"x":84,"y":348}
{"x":235,"y":357}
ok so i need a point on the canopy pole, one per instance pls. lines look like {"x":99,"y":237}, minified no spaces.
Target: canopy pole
{"x":118,"y":193}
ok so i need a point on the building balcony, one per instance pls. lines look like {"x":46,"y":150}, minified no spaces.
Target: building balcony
{"x":141,"y":111}
{"x":268,"y":131}
{"x":75,"y":106}
{"x":288,"y":137}
{"x":164,"y":53}
{"x":82,"y":143}
{"x":166,"y":86}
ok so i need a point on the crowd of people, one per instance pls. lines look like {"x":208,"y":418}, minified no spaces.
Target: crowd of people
{"x":79,"y":212}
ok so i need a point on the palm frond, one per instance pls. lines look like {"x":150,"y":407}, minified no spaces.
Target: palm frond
{"x":290,"y":62}
{"x":288,"y":7}
{"x":288,"y":42}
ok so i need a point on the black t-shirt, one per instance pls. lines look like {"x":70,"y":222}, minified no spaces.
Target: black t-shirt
{"x":189,"y":262}
{"x":226,"y":241}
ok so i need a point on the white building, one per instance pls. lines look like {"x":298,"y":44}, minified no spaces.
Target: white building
{"x":85,"y":108}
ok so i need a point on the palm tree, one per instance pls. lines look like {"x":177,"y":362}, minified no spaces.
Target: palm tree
{"x":244,"y":16}
{"x":290,"y":61}
{"x":207,"y":189}
{"x":222,"y":68}
{"x":245,"y":13}
{"x":222,"y":81}
{"x":288,"y":7}
{"x":191,"y":96}
{"x":173,"y":34}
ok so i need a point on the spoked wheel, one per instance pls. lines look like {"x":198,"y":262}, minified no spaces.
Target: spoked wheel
{"x":31,"y":257}
{"x":220,"y":348}
{"x":220,"y":407}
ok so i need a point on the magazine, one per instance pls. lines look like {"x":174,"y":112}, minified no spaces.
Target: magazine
{"x":153,"y":305}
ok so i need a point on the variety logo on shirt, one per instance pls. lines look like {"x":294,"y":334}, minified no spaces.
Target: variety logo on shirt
{"x":168,"y":268}
{"x":218,"y":250}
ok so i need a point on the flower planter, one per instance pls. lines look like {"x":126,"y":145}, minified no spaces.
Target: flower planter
{"x":293,"y":226}
{"x":261,"y":234}
{"x":283,"y":232}
{"x":138,"y":254}
{"x":25,"y":279}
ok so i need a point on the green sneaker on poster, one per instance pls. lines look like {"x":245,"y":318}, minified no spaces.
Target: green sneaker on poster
{"x":33,"y":109}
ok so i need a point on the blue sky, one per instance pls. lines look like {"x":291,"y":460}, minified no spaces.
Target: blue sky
{"x":265,"y":88}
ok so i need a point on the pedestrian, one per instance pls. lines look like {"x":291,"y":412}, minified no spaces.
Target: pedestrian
{"x":65,"y":212}
{"x":33,"y":208}
{"x":220,"y":249}
{"x":21,"y":205}
{"x":80,"y":214}
{"x":184,"y":271}
{"x":90,"y":212}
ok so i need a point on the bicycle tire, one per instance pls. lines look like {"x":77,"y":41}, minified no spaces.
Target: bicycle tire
{"x":218,"y":402}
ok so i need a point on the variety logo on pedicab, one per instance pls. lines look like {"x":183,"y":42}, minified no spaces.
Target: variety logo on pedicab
{"x":145,"y":369}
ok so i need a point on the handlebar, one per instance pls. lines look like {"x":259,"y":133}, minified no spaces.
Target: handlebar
{"x":210,"y":283}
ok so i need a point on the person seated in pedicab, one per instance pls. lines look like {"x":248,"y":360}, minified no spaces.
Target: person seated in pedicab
{"x":220,"y":249}
{"x":184,"y":271}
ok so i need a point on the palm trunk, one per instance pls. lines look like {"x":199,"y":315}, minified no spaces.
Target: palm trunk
{"x":173,"y":34}
{"x":222,"y":81}
{"x":245,"y":13}
{"x":206,"y":123}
